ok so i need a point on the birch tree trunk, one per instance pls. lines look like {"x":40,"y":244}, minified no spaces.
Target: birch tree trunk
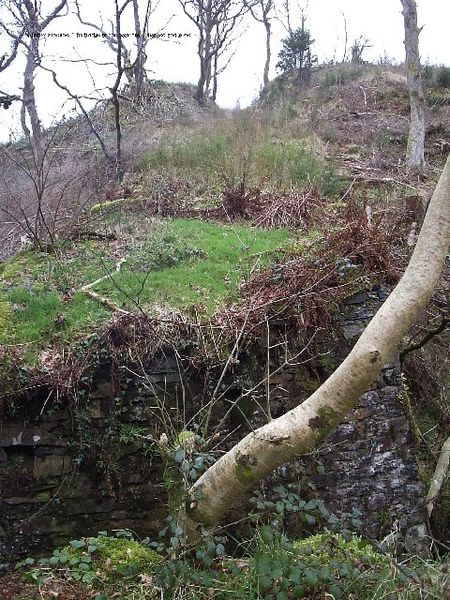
{"x":416,"y":140}
{"x":302,"y":428}
{"x":439,"y":476}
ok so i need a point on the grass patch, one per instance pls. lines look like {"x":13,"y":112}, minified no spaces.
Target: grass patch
{"x":266,"y":154}
{"x":179,"y":263}
{"x":197,"y":264}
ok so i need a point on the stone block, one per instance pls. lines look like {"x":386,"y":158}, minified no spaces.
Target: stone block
{"x":51,"y":466}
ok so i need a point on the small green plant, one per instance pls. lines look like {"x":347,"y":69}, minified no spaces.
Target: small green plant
{"x":340,"y":75}
{"x":94,"y":560}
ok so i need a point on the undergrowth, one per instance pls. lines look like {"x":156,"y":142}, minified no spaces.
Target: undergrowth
{"x":266,"y":154}
{"x":272,"y":567}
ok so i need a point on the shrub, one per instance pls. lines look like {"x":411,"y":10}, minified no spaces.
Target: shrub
{"x":443,"y":77}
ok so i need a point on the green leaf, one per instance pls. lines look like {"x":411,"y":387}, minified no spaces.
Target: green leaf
{"x":92,"y":548}
{"x":311,"y":578}
{"x":336,"y":591}
{"x":179,"y":455}
{"x":299,"y":591}
{"x":185,"y":466}
{"x":309,"y":519}
{"x":266,"y":534}
{"x":325,"y":574}
{"x":265,"y":582}
{"x":86,"y":559}
{"x":78,"y":544}
{"x":220,"y":549}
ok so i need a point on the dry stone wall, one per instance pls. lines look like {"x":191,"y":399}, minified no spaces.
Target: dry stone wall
{"x":66,"y":473}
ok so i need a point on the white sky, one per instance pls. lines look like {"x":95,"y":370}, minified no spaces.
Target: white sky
{"x":379,"y":20}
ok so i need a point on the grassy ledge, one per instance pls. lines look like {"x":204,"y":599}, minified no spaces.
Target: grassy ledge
{"x":178,"y":263}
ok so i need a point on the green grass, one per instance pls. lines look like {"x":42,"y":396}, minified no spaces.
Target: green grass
{"x":179,"y":263}
{"x":203,"y":265}
{"x":268,"y":155}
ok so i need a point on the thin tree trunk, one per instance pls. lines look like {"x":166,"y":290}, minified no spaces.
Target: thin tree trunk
{"x":268,"y":54}
{"x":438,"y":477}
{"x":115,"y":95}
{"x":416,"y":140}
{"x":302,"y":428}
{"x":139,"y":70}
{"x":29,"y":102}
{"x":200,"y":92}
{"x":214,"y":79}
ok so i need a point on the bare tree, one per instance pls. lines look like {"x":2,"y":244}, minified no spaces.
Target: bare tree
{"x":261,"y":11}
{"x":416,"y":140}
{"x":123,"y":66}
{"x":134,"y":60}
{"x":27,"y":25}
{"x":141,"y":33}
{"x":127,"y":62}
{"x":215,"y":21}
{"x":48,"y":205}
{"x":301,"y":429}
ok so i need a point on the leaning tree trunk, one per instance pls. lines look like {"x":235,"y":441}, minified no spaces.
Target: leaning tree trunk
{"x":302,"y":428}
{"x":416,"y":139}
{"x":438,"y":478}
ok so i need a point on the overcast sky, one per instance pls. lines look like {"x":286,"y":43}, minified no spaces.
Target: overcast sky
{"x":378,"y":20}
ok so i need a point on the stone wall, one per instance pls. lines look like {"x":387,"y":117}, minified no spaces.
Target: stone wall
{"x":66,"y":472}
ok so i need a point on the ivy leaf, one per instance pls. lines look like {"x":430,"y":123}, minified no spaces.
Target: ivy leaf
{"x":266,"y":534}
{"x":336,"y":591}
{"x":78,"y":544}
{"x":309,"y":519}
{"x":179,"y":455}
{"x":311,"y":578}
{"x":220,"y":549}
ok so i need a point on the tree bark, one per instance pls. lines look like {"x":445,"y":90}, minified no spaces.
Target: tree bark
{"x":28,"y":94}
{"x":302,"y":428}
{"x":438,"y":477}
{"x":268,"y":53}
{"x":416,"y":140}
{"x":138,"y":68}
